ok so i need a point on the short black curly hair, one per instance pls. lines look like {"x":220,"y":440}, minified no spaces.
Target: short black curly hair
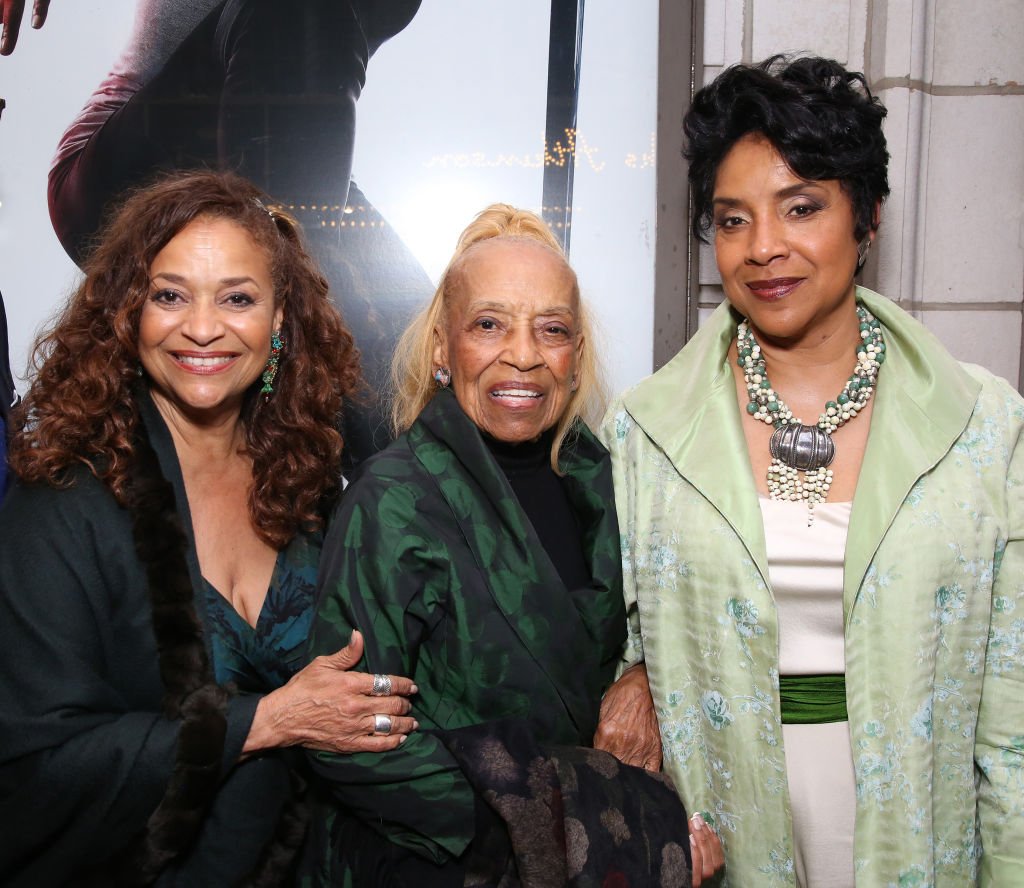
{"x":821,"y":118}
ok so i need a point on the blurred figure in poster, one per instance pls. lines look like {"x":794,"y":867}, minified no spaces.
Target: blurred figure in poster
{"x":176,"y":454}
{"x":269,"y":90}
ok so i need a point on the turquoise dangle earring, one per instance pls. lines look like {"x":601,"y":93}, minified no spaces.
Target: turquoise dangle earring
{"x":270,"y":371}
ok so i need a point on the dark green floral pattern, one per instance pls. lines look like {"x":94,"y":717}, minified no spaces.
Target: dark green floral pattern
{"x":431,"y":557}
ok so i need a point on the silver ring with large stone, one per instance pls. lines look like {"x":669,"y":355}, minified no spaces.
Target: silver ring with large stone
{"x":382,"y":724}
{"x":381,"y":686}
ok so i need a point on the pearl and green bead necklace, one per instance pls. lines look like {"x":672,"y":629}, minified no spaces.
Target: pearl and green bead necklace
{"x":799,"y":450}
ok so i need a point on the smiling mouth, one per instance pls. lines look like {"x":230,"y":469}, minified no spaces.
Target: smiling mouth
{"x":515,"y":393}
{"x":204,"y":363}
{"x":773,"y":289}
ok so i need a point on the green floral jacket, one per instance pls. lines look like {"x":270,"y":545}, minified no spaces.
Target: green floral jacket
{"x":430,"y":555}
{"x":933,"y":604}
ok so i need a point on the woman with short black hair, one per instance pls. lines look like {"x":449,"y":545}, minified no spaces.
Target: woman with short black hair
{"x":822,"y":518}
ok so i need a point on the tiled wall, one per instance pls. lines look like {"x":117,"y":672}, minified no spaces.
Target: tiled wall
{"x":951,"y":245}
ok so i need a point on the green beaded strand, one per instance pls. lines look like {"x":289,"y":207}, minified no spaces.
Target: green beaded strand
{"x":764,"y":405}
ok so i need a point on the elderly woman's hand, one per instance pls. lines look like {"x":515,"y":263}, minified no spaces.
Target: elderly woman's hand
{"x":628,"y":726}
{"x":326,"y":707}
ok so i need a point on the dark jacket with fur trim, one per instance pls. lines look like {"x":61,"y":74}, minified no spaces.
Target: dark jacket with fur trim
{"x":86,"y":751}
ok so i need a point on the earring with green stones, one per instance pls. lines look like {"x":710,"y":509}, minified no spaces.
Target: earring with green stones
{"x":270,"y":371}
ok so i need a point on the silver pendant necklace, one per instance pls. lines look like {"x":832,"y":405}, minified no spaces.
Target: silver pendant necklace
{"x":802,"y":454}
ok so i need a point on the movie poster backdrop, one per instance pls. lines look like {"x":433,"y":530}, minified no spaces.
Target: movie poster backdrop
{"x":382,"y":125}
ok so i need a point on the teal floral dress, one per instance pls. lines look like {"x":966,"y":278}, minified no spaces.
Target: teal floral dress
{"x":260,"y":658}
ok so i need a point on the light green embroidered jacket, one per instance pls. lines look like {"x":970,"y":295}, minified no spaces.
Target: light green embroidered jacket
{"x":933,"y":603}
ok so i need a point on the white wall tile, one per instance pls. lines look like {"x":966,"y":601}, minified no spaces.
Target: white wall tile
{"x":978,"y":44}
{"x":821,"y":28}
{"x":973,"y":248}
{"x":715,"y":34}
{"x":706,"y":266}
{"x":889,"y":255}
{"x":857,"y":37}
{"x":703,"y":315}
{"x":711,"y":295}
{"x":989,"y":338}
{"x":711,"y":72}
{"x":735,"y":27}
{"x":894,"y":38}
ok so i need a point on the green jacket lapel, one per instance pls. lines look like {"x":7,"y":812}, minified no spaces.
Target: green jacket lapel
{"x":519,"y":575}
{"x":705,"y":441}
{"x":923,"y":402}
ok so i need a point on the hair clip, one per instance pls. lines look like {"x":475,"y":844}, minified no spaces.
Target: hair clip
{"x":265,"y":208}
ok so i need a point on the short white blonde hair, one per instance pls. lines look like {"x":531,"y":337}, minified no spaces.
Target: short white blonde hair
{"x":412,"y":370}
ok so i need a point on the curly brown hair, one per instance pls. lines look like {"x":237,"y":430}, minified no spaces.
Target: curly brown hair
{"x":81,"y":407}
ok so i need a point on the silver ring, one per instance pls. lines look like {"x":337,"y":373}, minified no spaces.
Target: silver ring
{"x":382,"y":724}
{"x":381,"y":686}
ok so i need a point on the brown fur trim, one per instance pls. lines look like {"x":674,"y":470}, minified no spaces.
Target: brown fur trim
{"x":190,"y":692}
{"x":191,"y":695}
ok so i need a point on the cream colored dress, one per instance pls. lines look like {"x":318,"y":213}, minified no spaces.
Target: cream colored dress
{"x":805,"y":566}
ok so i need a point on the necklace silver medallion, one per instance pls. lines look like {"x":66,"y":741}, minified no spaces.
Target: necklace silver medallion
{"x":801,"y":454}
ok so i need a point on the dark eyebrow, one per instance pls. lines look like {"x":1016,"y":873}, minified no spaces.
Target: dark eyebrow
{"x":788,"y":191}
{"x":224,"y":282}
{"x":168,"y":276}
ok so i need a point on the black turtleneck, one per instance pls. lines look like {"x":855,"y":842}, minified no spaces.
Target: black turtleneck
{"x":543,"y":498}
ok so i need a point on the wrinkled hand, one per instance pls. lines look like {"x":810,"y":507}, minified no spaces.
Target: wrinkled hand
{"x":324,"y":706}
{"x":13,"y":11}
{"x":628,"y":726}
{"x":705,"y":850}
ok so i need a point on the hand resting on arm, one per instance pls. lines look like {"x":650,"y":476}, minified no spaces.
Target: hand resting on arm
{"x":628,"y":726}
{"x":326,"y":707}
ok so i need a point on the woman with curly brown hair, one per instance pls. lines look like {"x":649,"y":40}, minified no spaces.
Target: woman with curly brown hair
{"x":175,"y":455}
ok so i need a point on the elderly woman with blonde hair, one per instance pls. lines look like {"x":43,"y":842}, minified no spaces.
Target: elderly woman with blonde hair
{"x":479,"y":555}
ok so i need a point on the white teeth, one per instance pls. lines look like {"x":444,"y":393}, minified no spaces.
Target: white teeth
{"x":193,"y":361}
{"x":515,"y":393}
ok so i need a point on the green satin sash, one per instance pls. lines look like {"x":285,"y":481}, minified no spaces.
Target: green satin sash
{"x":812,"y":699}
